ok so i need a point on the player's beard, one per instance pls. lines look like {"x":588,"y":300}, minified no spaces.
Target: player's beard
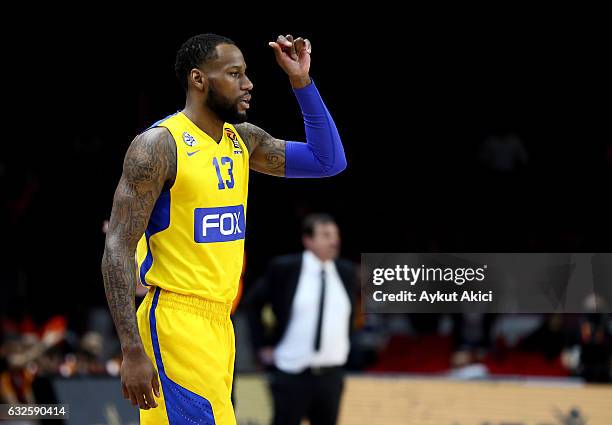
{"x":225,"y":109}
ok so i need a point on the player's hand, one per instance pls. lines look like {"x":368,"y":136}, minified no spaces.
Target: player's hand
{"x":138,"y":378}
{"x":294,"y":57}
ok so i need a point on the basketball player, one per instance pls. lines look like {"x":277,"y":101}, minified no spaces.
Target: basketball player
{"x":181,"y":205}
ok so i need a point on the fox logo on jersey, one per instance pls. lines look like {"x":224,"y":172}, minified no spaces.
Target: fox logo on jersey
{"x":220,"y":224}
{"x":232,"y":136}
{"x":189,"y":139}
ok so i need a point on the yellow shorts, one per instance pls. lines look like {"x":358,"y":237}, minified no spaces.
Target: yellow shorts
{"x":190,"y":341}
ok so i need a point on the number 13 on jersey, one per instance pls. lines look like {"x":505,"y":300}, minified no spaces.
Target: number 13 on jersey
{"x":224,"y":183}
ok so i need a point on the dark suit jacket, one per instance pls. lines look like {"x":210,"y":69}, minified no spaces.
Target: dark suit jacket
{"x":277,"y":288}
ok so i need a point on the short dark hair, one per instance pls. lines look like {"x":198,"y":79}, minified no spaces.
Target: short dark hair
{"x":196,"y":51}
{"x":311,"y":220}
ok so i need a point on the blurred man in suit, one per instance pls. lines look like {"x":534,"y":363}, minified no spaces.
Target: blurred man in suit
{"x":311,"y":296}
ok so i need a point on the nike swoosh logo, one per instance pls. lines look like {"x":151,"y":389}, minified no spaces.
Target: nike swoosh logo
{"x":192,"y":153}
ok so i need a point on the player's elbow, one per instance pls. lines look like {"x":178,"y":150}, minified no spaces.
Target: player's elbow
{"x":115,"y":248}
{"x":337,"y":167}
{"x":107,"y":255}
{"x":104,"y":262}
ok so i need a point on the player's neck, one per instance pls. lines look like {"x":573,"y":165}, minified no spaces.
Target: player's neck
{"x":205,"y":120}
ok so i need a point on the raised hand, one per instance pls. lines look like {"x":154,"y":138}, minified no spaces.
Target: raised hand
{"x":293,"y":56}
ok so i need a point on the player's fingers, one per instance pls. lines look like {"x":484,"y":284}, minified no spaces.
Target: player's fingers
{"x":299,"y":44}
{"x":155,"y":385}
{"x":148,"y":396}
{"x":291,"y":48}
{"x":126,"y":395}
{"x":308,"y":46}
{"x":286,"y":45}
{"x":282,"y":41}
{"x":140,"y":397}
{"x":132,"y":398}
{"x":277,"y":49}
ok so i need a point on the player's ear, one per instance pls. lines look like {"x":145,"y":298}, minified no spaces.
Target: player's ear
{"x":198,"y":79}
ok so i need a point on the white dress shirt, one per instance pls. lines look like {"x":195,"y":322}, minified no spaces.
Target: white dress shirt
{"x":295,"y":352}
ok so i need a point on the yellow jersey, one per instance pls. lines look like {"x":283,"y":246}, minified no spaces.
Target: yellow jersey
{"x":194,"y":241}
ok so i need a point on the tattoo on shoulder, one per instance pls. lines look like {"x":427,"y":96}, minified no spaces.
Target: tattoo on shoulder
{"x":152,"y":156}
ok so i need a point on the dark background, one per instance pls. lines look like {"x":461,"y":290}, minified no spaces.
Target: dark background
{"x":414,"y":99}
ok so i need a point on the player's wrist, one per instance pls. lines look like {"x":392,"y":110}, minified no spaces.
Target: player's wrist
{"x":133,"y":349}
{"x":300,"y":81}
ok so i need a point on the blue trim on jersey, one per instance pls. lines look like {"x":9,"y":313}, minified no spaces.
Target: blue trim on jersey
{"x":160,"y":220}
{"x":162,"y":120}
{"x":183,"y":407}
{"x":153,"y":326}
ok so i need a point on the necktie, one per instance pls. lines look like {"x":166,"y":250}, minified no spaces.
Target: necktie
{"x":320,"y":317}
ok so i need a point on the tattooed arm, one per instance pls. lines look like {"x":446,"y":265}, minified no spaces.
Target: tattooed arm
{"x":322,"y":155}
{"x":148,"y":168}
{"x":267,"y":154}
